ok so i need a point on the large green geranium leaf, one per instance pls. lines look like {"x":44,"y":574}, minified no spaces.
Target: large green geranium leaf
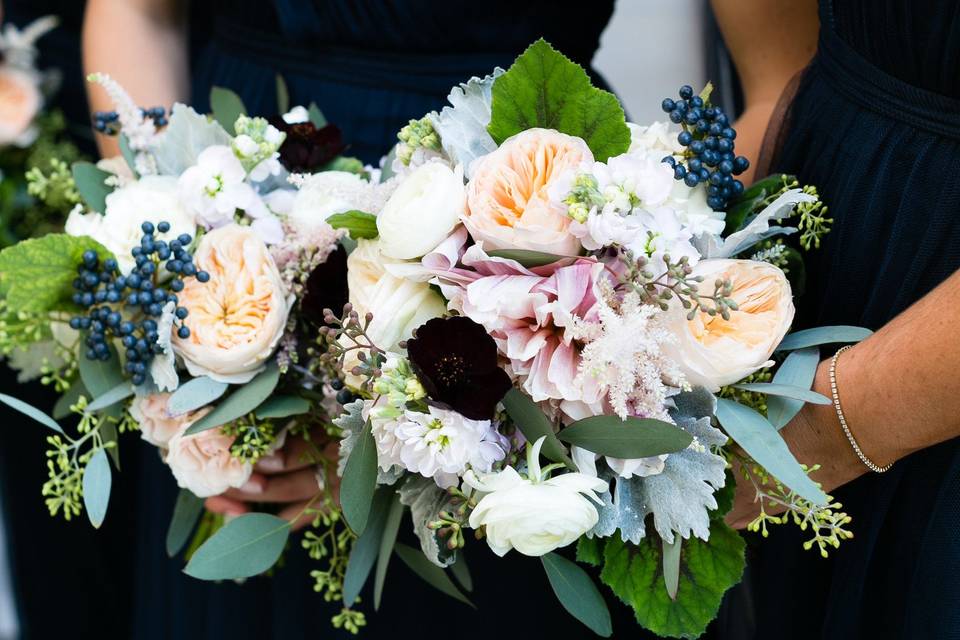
{"x":36,"y":275}
{"x":544,"y":88}
{"x":707,"y":570}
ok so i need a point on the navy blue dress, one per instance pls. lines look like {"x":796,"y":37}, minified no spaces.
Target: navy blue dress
{"x":876,"y":126}
{"x":370,"y":67}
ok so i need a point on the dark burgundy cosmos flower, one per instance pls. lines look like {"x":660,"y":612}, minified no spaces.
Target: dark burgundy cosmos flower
{"x":306,"y":147}
{"x":326,"y":287}
{"x":456,"y":361}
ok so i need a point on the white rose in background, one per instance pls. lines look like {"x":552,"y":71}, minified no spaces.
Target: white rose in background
{"x":151,"y":198}
{"x":156,"y":424}
{"x":20,"y":100}
{"x":423,"y":211}
{"x":202,"y":462}
{"x":215,"y":188}
{"x":237,"y":317}
{"x":322,"y":195}
{"x":713,"y":352}
{"x":534,"y":515}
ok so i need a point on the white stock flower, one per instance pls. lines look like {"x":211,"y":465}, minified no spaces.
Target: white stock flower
{"x":422,"y":212}
{"x":151,"y":198}
{"x":443,"y":444}
{"x":531,"y":514}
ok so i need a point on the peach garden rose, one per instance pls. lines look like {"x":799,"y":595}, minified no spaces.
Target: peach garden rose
{"x":202,"y":462}
{"x":156,"y":424}
{"x":508,"y":206}
{"x":713,"y":352}
{"x":236,"y":318}
{"x":19,"y":102}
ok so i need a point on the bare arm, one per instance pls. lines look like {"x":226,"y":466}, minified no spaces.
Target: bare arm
{"x":899,"y":392}
{"x":143,"y":45}
{"x":770,"y":41}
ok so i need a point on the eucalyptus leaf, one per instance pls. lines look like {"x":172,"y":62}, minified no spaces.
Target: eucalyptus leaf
{"x":283,"y":407}
{"x":577,"y":593}
{"x":429,"y":572}
{"x":316,"y":116}
{"x":526,"y":257}
{"x":390,"y":529}
{"x":628,"y":439}
{"x":366,"y":548}
{"x":763,"y":443}
{"x":671,"y":566}
{"x":30,"y":411}
{"x":798,"y":369}
{"x":461,"y":571}
{"x":785,"y":390}
{"x":109,"y":434}
{"x":823,"y":335}
{"x":283,"y":95}
{"x":534,"y":424}
{"x":62,"y":407}
{"x":186,"y":512}
{"x":91,"y":184}
{"x":359,"y":480}
{"x":120,"y":392}
{"x":195,"y":393}
{"x":241,"y":402}
{"x":226,"y":107}
{"x":246,"y":546}
{"x":96,"y":487}
{"x":127,"y":153}
{"x":100,"y":376}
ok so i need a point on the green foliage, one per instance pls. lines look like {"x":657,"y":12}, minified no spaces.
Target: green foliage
{"x":244,"y":547}
{"x":630,"y":438}
{"x":242,"y":401}
{"x":577,"y":593}
{"x":58,"y":189}
{"x":544,"y":88}
{"x":753,"y":399}
{"x":367,"y":547}
{"x":358,"y":224}
{"x":359,"y":480}
{"x":534,"y":424}
{"x":707,"y":570}
{"x":526,"y":257}
{"x":417,"y":134}
{"x":253,"y":437}
{"x":429,"y":572}
{"x":186,"y":512}
{"x":97,"y":481}
{"x":823,"y":335}
{"x":91,"y":182}
{"x":194,"y":394}
{"x":226,"y":107}
{"x":36,"y":274}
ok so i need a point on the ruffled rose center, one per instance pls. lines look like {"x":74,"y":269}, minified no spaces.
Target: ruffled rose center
{"x":758,"y":300}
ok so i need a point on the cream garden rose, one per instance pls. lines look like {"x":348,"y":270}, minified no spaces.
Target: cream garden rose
{"x":151,"y":198}
{"x":236,"y":318}
{"x":422,"y":212}
{"x":202,"y":462}
{"x":156,"y":424}
{"x":713,"y":352}
{"x":532,"y":514}
{"x":19,"y":102}
{"x":508,"y":205}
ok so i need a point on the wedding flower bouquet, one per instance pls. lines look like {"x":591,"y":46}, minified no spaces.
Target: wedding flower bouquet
{"x":554,"y":325}
{"x":35,"y":155}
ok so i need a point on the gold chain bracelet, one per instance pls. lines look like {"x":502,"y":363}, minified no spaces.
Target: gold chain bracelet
{"x":870,"y":464}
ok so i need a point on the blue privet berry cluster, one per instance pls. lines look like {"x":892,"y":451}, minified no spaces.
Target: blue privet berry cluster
{"x":125,"y":307}
{"x":108,"y":122}
{"x":708,"y":138}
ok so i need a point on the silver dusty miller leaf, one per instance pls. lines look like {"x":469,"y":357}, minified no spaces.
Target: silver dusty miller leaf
{"x":463,"y":126}
{"x":426,"y":500}
{"x":185,"y":137}
{"x":682,"y":495}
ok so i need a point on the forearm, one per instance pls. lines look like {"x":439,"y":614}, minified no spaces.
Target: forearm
{"x":143,"y":45}
{"x":898,"y":389}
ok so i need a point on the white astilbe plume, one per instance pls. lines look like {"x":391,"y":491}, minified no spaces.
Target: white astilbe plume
{"x":300,"y":253}
{"x":623,"y":352}
{"x":141,"y":132}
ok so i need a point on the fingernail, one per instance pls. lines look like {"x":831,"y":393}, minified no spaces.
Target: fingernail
{"x":252,"y":486}
{"x":272,"y":462}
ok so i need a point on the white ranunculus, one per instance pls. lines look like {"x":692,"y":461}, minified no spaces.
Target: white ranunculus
{"x":422,"y":212}
{"x":534,"y":515}
{"x":398,"y":305}
{"x":202,"y":462}
{"x":321,"y":195}
{"x":713,"y":352}
{"x":151,"y":198}
{"x":238,"y":317}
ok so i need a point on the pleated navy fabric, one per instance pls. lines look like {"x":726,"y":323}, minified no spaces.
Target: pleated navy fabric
{"x":875,"y":124}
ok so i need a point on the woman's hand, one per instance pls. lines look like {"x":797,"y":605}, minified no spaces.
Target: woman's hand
{"x":814,"y":437}
{"x":287,"y":477}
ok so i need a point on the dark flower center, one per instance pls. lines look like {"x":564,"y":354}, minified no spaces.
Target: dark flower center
{"x":450,"y":370}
